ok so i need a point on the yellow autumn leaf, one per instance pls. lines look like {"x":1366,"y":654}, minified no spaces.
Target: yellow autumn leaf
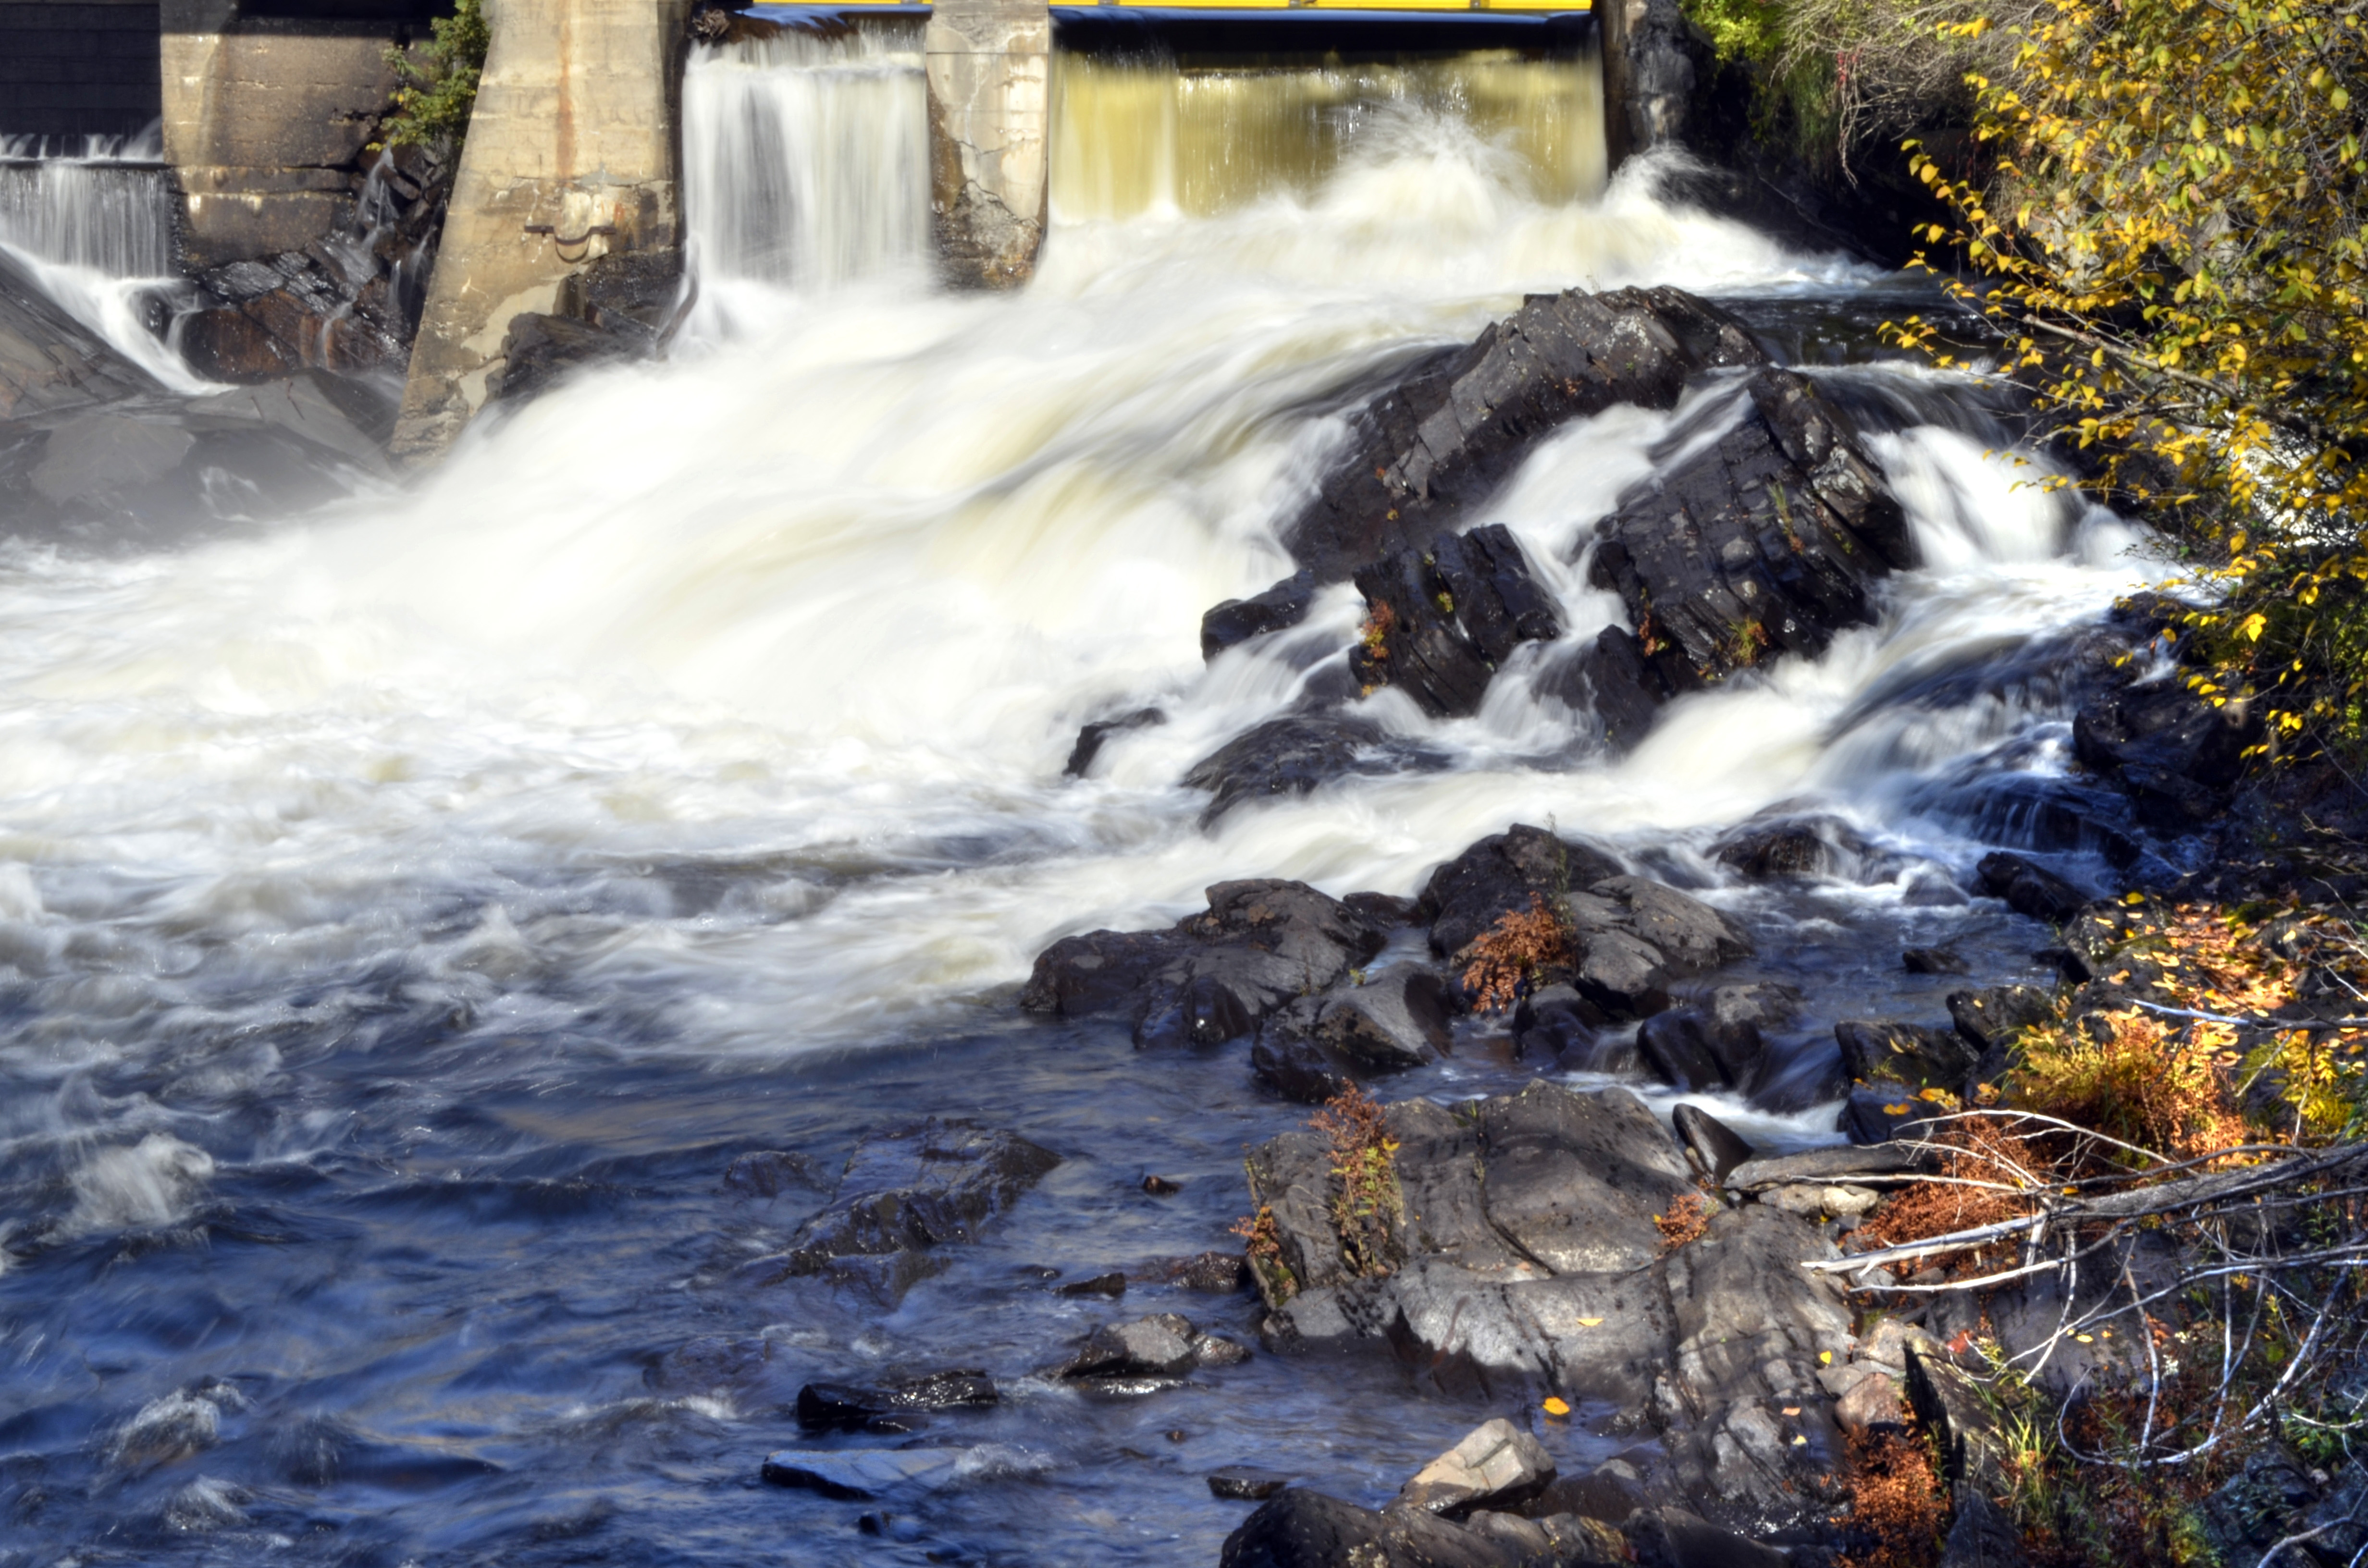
{"x":1555,"y":1407}
{"x":1589,"y":1322}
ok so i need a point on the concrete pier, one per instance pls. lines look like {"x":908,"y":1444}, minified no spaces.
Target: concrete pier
{"x":989,"y":65}
{"x":574,"y":151}
{"x":266,"y":115}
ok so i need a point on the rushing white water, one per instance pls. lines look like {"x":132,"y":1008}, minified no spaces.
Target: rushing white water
{"x":92,"y":224}
{"x":805,"y":160}
{"x":812,"y":614}
{"x":105,"y":205}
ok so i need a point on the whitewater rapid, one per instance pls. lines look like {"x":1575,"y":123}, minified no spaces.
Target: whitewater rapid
{"x":829,"y":596}
{"x":409,"y":910}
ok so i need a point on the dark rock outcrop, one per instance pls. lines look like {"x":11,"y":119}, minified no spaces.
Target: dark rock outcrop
{"x":1768,"y":543}
{"x":1235,"y":621}
{"x":1295,"y":752}
{"x":1690,"y":1051}
{"x":1317,"y":1046}
{"x":1500,"y":875}
{"x":903,"y":1193}
{"x":349,"y":302}
{"x":1214,"y":975}
{"x":1445,"y":439}
{"x":1442,"y":619}
{"x":2177,"y":756}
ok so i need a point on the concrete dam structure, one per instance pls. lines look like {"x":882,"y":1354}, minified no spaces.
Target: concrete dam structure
{"x":260,"y":117}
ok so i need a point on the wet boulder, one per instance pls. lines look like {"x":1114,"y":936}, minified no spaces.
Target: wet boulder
{"x":1555,"y":1025}
{"x":856,"y":1475}
{"x":1259,"y":945}
{"x":1442,"y":619}
{"x":1613,"y":678}
{"x":1315,"y":1046}
{"x":903,"y":1193}
{"x":51,"y":363}
{"x":1809,"y":850}
{"x":1767,"y":543}
{"x":2029,"y":888}
{"x":1295,"y":754}
{"x":1445,"y":437}
{"x":1497,"y":1466}
{"x":1690,"y":1051}
{"x":1146,"y":1356}
{"x":1989,"y":1021}
{"x":1235,"y":621}
{"x":891,"y":1407}
{"x":1909,"y":1053}
{"x":1712,"y":1148}
{"x":1625,"y":938}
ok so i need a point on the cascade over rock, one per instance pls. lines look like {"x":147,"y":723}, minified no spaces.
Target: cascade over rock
{"x":1439,"y":443}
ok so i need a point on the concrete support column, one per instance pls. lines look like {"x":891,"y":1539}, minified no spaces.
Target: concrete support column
{"x":575,"y":151}
{"x":265,"y":118}
{"x":989,"y":65}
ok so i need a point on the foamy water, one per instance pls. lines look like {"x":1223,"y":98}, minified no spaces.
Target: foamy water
{"x":379,"y":889}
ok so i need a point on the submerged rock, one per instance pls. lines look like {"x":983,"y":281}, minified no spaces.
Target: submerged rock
{"x":903,"y":1193}
{"x":622,"y":306}
{"x":1449,"y":434}
{"x":1441,"y":620}
{"x":2029,"y":889}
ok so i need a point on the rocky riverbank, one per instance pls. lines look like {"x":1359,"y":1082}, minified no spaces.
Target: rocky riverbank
{"x":1793,"y":1379}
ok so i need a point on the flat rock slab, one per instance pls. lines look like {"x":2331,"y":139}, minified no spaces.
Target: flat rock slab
{"x":862,"y":1474}
{"x":1496,"y":1466}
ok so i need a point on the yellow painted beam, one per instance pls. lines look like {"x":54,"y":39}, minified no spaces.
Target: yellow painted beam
{"x":1434,"y":7}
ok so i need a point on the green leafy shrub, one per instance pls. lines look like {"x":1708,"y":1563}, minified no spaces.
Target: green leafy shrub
{"x":439,"y":82}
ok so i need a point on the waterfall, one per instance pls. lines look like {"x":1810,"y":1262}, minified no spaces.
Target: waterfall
{"x":806,"y":157}
{"x":106,"y":206}
{"x":1132,"y":136}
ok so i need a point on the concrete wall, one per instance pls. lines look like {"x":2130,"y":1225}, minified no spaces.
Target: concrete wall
{"x":78,"y":67}
{"x":267,"y":105}
{"x":576,"y":133}
{"x":989,"y":65}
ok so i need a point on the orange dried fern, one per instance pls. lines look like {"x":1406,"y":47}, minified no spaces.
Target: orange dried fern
{"x":1512,"y":950}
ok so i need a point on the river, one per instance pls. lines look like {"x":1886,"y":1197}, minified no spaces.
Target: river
{"x":410,"y":908}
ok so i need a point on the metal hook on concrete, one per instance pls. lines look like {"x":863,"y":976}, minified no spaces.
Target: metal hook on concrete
{"x":580,"y":243}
